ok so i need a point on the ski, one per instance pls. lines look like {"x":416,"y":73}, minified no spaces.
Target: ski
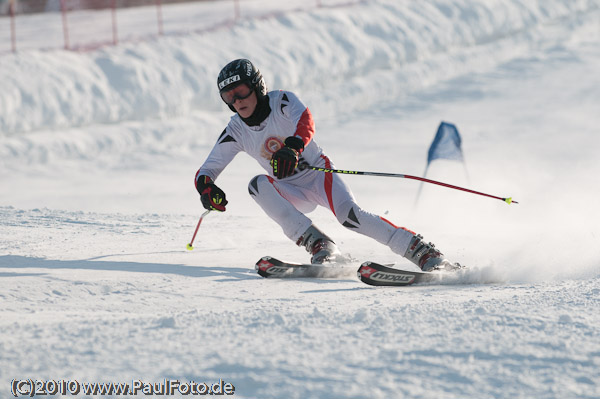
{"x":379,"y":275}
{"x":270,"y":267}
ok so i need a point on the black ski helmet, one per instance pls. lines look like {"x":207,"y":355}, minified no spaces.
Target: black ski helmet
{"x":238,"y":72}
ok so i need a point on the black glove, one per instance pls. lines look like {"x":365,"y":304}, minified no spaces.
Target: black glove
{"x":212,"y":197}
{"x":285,"y":160}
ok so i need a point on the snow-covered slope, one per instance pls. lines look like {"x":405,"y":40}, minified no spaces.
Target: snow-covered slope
{"x":97,"y":155}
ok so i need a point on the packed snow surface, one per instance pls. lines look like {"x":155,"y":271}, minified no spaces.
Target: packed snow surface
{"x":98,"y":151}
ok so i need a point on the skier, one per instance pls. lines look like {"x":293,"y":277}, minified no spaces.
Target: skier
{"x":277,"y":130}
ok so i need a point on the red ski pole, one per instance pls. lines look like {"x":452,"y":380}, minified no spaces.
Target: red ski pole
{"x":508,"y":200}
{"x":190,"y":245}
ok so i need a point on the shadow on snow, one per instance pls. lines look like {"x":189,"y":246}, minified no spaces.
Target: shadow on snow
{"x":23,"y":262}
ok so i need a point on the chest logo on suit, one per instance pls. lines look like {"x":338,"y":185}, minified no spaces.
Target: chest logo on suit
{"x":271,"y":145}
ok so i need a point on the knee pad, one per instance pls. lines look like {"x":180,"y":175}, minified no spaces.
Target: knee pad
{"x":354,"y":218}
{"x":254,"y":183}
{"x":347,"y":214}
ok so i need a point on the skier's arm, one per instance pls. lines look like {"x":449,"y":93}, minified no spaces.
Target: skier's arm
{"x":285,"y":160}
{"x":295,"y":110}
{"x":222,"y":154}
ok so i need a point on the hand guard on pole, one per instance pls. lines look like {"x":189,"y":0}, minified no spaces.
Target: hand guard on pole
{"x":285,"y":160}
{"x":211,"y":196}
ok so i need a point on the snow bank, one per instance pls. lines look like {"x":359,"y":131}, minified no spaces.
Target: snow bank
{"x":366,"y":53}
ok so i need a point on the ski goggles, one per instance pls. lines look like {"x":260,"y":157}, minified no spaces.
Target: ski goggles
{"x":240,"y":92}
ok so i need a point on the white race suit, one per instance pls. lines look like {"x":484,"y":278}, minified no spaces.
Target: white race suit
{"x":287,"y":200}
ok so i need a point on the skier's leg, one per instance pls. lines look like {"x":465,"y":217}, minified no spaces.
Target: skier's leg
{"x":399,"y":239}
{"x":265,"y":191}
{"x":354,"y":218}
{"x":281,"y":202}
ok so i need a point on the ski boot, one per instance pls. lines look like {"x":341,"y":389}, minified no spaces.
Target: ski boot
{"x":426,"y":256}
{"x":321,"y":247}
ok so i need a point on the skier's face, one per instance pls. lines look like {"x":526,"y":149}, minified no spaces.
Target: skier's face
{"x":245,"y":107}
{"x":242,"y":98}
